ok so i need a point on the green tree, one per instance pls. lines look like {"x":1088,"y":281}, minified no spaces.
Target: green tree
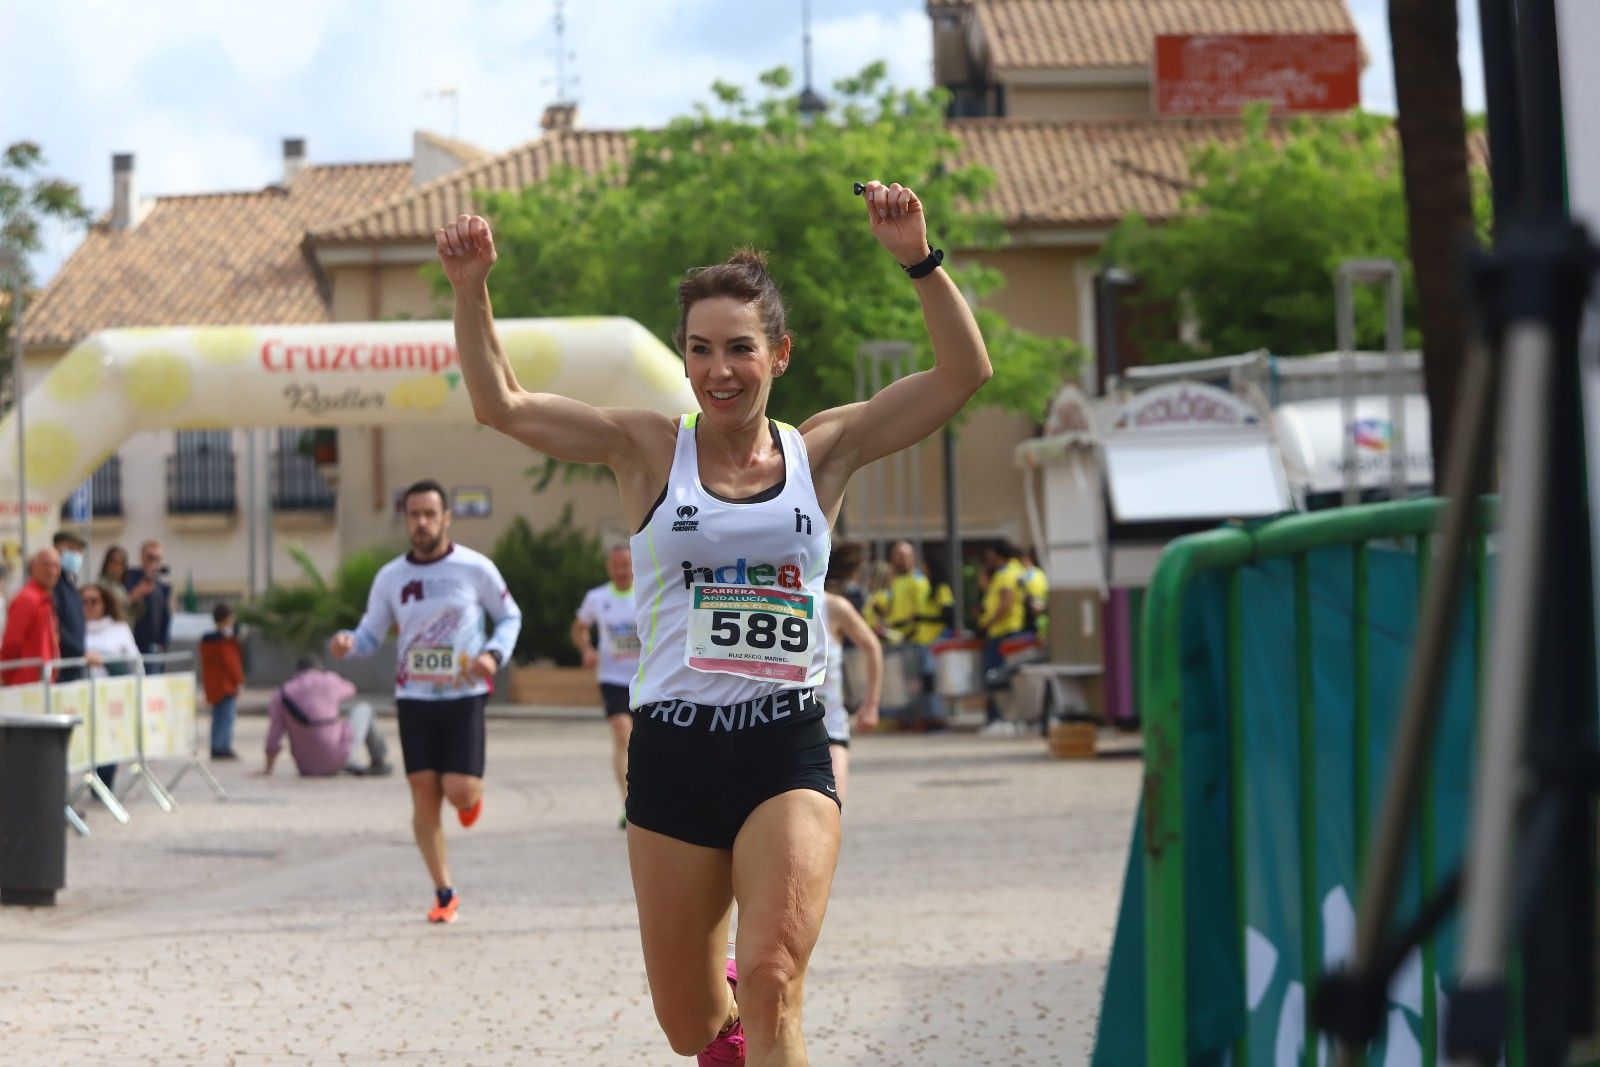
{"x":547,"y":572}
{"x":27,"y":199}
{"x":1251,"y":258}
{"x":755,"y":173}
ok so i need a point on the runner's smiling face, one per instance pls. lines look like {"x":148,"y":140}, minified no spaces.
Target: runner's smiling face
{"x":729,"y":360}
{"x":427,"y":524}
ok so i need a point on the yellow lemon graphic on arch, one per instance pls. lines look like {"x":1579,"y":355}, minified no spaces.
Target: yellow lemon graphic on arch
{"x":226,"y":345}
{"x":52,"y":453}
{"x":158,"y":380}
{"x":653,"y":362}
{"x":535,"y":357}
{"x":423,"y":394}
{"x":79,"y":376}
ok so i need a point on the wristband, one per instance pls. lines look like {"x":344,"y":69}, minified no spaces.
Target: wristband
{"x":926,"y":267}
{"x":499,"y":658}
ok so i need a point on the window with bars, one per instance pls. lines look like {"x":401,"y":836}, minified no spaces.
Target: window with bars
{"x":105,"y":491}
{"x":201,"y":475}
{"x":297,"y":484}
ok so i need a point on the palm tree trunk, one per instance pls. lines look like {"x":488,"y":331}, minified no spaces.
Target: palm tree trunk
{"x":1433,"y":146}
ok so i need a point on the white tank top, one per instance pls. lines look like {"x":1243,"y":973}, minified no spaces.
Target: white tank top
{"x":729,"y":595}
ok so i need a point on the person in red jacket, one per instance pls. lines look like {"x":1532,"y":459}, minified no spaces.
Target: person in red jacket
{"x":31,"y":630}
{"x":222,"y":673}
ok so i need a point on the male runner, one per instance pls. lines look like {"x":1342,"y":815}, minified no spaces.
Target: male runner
{"x":438,"y":595}
{"x":609,"y":610}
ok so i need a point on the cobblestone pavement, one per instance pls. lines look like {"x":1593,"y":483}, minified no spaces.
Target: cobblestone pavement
{"x":970,"y":922}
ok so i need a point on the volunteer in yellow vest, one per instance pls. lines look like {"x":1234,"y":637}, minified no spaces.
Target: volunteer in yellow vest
{"x":876,"y":609}
{"x":1002,"y":617}
{"x":1036,"y":587}
{"x":909,"y":595}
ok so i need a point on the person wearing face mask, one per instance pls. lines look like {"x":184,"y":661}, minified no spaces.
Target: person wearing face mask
{"x":69,"y":602}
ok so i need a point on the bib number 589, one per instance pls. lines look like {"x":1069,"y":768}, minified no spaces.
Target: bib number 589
{"x":760,"y":629}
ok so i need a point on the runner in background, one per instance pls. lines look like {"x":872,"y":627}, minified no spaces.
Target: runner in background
{"x":846,"y":624}
{"x":608,"y":610}
{"x":439,"y":595}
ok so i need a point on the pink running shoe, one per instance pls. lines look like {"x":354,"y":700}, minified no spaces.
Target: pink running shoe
{"x":728,"y":1046}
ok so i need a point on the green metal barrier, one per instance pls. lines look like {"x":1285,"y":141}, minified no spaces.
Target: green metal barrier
{"x":1162,"y":836}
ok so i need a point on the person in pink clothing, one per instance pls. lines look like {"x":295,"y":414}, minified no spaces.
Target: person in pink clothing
{"x":322,"y":740}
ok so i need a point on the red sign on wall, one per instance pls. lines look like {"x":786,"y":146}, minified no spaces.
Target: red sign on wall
{"x":1217,"y":74}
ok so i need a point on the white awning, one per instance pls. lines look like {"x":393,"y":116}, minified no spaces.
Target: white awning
{"x":1175,"y":476}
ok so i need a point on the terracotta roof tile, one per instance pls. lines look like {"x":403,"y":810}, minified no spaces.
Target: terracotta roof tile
{"x":416,"y":213}
{"x":1059,"y":172}
{"x":1091,"y":173}
{"x":1085,"y":34}
{"x":208,"y":260}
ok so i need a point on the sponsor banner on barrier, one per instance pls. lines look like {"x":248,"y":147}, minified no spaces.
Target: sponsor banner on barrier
{"x":169,"y":715}
{"x":116,"y":704}
{"x":22,"y":699}
{"x":155,"y":717}
{"x":73,"y":698}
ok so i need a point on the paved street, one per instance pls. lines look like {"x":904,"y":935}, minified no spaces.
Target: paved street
{"x":970,"y":923}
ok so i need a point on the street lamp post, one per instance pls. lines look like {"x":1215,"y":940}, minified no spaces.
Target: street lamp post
{"x":11,"y":262}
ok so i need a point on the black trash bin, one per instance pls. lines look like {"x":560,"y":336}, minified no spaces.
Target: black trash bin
{"x":33,"y":802}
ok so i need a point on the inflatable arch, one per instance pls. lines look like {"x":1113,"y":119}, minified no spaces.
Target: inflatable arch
{"x":119,"y":382}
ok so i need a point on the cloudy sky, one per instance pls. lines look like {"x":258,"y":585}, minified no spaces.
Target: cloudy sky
{"x":203,"y":92}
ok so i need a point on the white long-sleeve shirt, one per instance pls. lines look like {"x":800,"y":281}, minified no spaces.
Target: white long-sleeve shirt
{"x":439,"y":607}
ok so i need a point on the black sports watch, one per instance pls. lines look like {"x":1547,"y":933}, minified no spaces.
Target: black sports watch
{"x":499,"y":657}
{"x":926,"y":266}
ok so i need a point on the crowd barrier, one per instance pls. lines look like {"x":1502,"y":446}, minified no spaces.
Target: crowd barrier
{"x":1274,"y":660}
{"x":132,"y":720}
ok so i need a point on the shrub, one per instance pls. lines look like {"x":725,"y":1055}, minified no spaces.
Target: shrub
{"x":547,"y":573}
{"x":304,"y":614}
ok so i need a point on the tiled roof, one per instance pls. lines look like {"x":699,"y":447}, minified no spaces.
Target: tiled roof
{"x":1085,"y":34}
{"x":1092,"y":172}
{"x":416,"y":213}
{"x":208,"y":260}
{"x":1060,"y":172}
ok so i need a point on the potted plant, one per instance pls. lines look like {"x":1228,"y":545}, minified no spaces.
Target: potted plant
{"x":322,"y":445}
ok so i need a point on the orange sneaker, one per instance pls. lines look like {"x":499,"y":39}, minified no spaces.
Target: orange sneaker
{"x":445,"y":913}
{"x":468,"y":816}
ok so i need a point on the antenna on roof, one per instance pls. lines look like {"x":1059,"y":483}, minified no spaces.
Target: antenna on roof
{"x":448,"y":92}
{"x":811,"y":102}
{"x":564,"y":84}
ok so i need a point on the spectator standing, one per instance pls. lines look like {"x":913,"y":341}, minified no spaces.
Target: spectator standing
{"x":151,"y":597}
{"x":69,"y":603}
{"x":113,"y":575}
{"x":106,"y":635}
{"x":109,"y":646}
{"x":1002,"y":618}
{"x":321,"y":740}
{"x":31,"y":630}
{"x":1036,"y":590}
{"x":222,"y":675}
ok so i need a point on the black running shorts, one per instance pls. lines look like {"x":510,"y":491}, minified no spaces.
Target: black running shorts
{"x":614,"y":698}
{"x":442,"y":735}
{"x":701,"y":787}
